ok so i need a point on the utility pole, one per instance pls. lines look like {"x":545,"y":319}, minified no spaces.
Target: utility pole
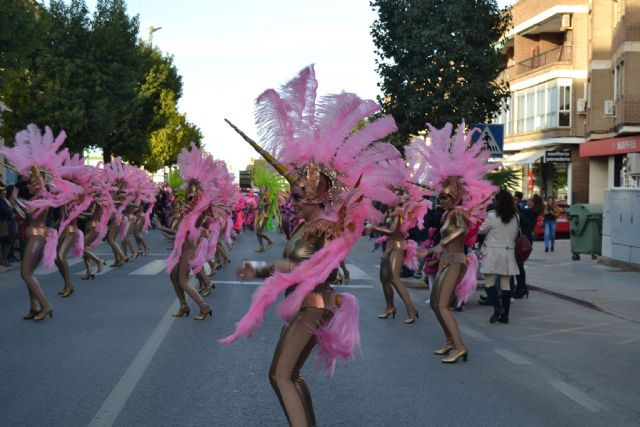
{"x":152,"y":30}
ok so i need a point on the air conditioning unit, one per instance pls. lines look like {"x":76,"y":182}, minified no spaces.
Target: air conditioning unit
{"x":609,"y":108}
{"x":566,"y":22}
{"x":581,"y":105}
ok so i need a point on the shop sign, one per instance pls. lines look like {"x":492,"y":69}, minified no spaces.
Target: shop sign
{"x":561,"y":156}
{"x":610,"y":147}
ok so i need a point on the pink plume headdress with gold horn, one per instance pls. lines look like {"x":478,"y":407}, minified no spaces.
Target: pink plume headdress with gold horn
{"x":304,"y":139}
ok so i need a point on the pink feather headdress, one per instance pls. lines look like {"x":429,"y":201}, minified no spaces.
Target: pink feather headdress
{"x":447,"y":158}
{"x":35,"y":153}
{"x":216,"y":196}
{"x":298,"y":133}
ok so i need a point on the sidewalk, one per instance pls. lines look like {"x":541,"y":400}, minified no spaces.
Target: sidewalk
{"x":586,"y":282}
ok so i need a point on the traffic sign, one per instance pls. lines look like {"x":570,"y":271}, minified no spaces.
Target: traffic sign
{"x":492,"y":136}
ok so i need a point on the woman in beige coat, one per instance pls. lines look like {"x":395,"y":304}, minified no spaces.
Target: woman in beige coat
{"x":498,"y":253}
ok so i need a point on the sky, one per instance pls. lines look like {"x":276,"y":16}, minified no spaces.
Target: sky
{"x":228,"y":52}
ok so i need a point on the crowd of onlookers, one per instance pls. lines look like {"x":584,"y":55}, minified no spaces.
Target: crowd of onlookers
{"x":12,"y":226}
{"x":493,"y":241}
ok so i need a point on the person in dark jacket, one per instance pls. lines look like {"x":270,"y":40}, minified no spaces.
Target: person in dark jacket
{"x":528,"y":220}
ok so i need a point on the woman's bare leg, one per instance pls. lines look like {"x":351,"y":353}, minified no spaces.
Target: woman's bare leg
{"x":30,"y":260}
{"x":64,"y":246}
{"x":396,"y":260}
{"x":387,"y":287}
{"x":296,"y":341}
{"x":441,"y":295}
{"x":114,"y":228}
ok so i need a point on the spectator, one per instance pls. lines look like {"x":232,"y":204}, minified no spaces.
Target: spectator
{"x":528,"y":220}
{"x":498,"y":253}
{"x":12,"y":195}
{"x":6,"y":211}
{"x":550,"y":215}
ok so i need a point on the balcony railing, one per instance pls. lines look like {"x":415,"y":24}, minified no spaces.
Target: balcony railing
{"x":557,"y":55}
{"x":509,"y":73}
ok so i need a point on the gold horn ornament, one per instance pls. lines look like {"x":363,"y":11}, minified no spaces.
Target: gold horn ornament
{"x":282,"y":170}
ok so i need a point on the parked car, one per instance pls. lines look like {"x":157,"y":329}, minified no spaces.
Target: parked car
{"x":562,"y":224}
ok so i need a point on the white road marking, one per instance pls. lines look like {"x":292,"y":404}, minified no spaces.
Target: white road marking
{"x":577,"y":396}
{"x":151,"y":268}
{"x":356,"y":274}
{"x":106,"y":269}
{"x":112,"y":406}
{"x":41,"y":271}
{"x":512,"y":357}
{"x":473,"y":333}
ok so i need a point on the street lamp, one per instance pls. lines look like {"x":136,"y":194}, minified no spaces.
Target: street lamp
{"x":152,"y":30}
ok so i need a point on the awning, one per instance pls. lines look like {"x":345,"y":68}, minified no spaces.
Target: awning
{"x":524,"y":157}
{"x":611,"y":146}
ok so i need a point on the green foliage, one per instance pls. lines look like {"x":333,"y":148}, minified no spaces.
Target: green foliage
{"x":507,"y":178}
{"x":175,"y":180}
{"x":92,"y":77}
{"x":437,"y":61}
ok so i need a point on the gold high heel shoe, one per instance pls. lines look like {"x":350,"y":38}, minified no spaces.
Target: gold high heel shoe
{"x":88,"y":276}
{"x":184,"y":311}
{"x":464,"y":353}
{"x":446,"y":349}
{"x":43,"y":313}
{"x":388,"y":312}
{"x":206,"y":311}
{"x":101,"y":265}
{"x":412,"y":319}
{"x":66,"y":293}
{"x":207,"y":290}
{"x":31,"y":314}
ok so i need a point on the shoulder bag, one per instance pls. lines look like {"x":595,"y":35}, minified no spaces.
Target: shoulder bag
{"x":523,"y":246}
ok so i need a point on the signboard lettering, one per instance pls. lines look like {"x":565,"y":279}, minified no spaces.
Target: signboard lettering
{"x":562,"y":156}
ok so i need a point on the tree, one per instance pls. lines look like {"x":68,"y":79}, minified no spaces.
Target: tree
{"x":114,"y":52}
{"x":437,"y":61}
{"x":50,"y":83}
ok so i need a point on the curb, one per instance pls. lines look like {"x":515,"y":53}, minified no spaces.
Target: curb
{"x":581,"y":302}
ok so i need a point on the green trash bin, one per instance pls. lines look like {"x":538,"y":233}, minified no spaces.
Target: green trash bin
{"x":585,"y":229}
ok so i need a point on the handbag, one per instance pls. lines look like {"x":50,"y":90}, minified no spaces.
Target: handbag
{"x":523,"y":246}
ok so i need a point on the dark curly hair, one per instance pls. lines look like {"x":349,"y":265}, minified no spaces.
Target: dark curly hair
{"x":505,"y":206}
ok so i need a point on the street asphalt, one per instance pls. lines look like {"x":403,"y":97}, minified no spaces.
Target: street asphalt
{"x":113,"y":355}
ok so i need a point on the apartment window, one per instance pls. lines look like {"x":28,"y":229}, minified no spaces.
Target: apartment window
{"x":564,"y":105}
{"x":552,"y":110}
{"x":520,"y":111}
{"x":539,"y":119}
{"x":531,"y":110}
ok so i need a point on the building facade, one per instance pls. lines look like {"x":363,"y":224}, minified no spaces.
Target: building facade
{"x":547,"y":69}
{"x":572,"y":66}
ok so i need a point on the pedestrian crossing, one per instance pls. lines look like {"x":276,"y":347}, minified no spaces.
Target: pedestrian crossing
{"x":158,"y":266}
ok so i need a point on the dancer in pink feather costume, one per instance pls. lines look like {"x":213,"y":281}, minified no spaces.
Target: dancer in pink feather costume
{"x":409,"y":212}
{"x":36,"y":155}
{"x":209,"y":197}
{"x":456,"y":170}
{"x":335,"y":173}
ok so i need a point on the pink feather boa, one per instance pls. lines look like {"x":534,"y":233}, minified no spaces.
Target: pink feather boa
{"x":78,"y":247}
{"x":468,"y":284}
{"x":305,"y":278}
{"x":50,"y":248}
{"x":340,"y":337}
{"x":124,"y":228}
{"x":411,"y":256}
